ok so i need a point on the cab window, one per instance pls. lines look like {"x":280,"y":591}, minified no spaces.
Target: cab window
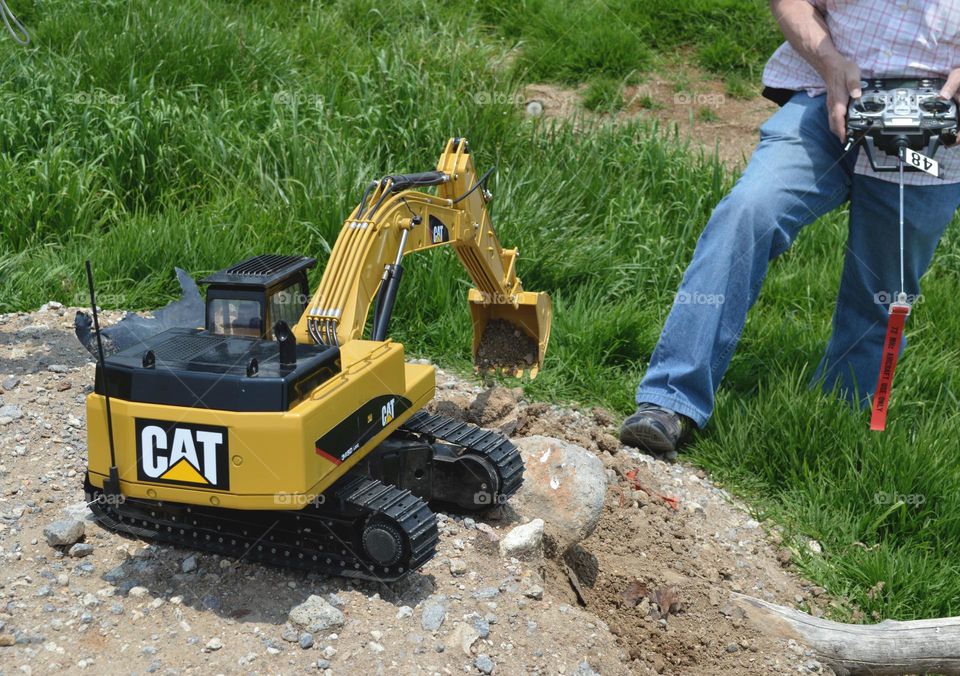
{"x":287,"y":305}
{"x":232,"y":317}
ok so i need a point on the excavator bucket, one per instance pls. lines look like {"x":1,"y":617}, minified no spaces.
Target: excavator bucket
{"x":510,"y":338}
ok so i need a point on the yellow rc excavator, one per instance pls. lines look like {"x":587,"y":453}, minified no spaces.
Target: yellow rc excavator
{"x":278,"y":433}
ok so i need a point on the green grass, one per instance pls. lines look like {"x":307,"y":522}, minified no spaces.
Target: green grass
{"x":604,"y":95}
{"x":146,"y":135}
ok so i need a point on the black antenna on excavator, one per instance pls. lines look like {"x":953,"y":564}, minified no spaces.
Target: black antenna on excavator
{"x":111,"y":485}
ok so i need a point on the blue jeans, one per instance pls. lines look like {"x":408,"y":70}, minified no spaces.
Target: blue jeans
{"x":796,"y":175}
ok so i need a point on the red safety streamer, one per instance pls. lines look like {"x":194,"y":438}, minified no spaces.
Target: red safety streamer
{"x":891,"y":352}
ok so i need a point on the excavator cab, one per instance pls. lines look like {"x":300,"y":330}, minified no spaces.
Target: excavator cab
{"x":249,"y":298}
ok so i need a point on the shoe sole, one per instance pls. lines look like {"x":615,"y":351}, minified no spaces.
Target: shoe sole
{"x":647,"y":438}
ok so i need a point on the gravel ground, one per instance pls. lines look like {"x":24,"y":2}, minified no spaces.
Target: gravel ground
{"x":119,"y":605}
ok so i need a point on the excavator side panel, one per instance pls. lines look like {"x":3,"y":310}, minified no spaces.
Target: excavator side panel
{"x":260,"y":460}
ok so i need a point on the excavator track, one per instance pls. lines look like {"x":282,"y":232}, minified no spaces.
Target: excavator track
{"x":491,"y":447}
{"x":359,"y":528}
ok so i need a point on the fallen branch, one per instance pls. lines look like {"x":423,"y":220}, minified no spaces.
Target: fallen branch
{"x":890,"y":647}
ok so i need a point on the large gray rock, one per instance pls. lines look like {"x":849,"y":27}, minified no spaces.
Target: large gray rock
{"x":564,"y":485}
{"x":315,"y":615}
{"x":63,"y":533}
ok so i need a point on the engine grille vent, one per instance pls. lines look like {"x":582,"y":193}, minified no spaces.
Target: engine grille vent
{"x":186,"y":347}
{"x":266,"y":264}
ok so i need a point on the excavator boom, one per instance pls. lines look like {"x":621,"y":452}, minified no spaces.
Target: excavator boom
{"x":511,"y":326}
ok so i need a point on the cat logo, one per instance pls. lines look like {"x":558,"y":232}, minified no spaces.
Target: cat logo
{"x":387,"y":412}
{"x":437,"y":231}
{"x":182,"y":453}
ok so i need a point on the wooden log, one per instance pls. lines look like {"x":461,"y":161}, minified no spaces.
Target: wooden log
{"x":890,"y":647}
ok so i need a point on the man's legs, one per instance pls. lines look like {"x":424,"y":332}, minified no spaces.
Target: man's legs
{"x":871,"y":274}
{"x":795,"y":176}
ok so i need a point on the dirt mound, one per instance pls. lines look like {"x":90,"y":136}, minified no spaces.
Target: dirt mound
{"x":666,"y":530}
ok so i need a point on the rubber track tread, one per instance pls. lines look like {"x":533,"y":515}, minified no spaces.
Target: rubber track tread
{"x":321,"y":538}
{"x":493,"y":446}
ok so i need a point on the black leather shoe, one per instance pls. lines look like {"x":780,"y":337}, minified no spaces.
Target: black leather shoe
{"x":656,"y":430}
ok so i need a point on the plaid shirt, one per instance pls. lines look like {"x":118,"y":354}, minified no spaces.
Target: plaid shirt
{"x":886,"y":38}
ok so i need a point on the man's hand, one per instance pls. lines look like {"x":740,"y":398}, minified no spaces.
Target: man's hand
{"x":952,"y":87}
{"x":806,"y":29}
{"x":842,"y":77}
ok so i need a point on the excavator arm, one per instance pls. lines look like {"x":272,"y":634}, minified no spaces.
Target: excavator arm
{"x":393,"y":220}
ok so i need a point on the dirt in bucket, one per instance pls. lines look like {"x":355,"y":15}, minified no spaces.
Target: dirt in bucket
{"x":503,"y":345}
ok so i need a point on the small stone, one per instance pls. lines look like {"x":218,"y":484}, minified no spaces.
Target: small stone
{"x":375,"y":647}
{"x":7,"y":640}
{"x":213,"y":644}
{"x":306,"y":640}
{"x":63,"y":533}
{"x":138,"y":592}
{"x":116,"y":608}
{"x":404,"y":612}
{"x":58,"y":368}
{"x":815,"y":547}
{"x":10,"y":382}
{"x":434,"y":612}
{"x":584,"y":669}
{"x":534,"y":592}
{"x":323,"y":664}
{"x":458,"y":566}
{"x":481,"y":625}
{"x":524,"y":542}
{"x":733,"y":647}
{"x":315,"y":615}
{"x":486,"y":593}
{"x":81,"y":549}
{"x":12,"y":412}
{"x":469,"y":523}
{"x":63,"y":386}
{"x":115,"y":575}
{"x":189,"y":564}
{"x":484,"y":664}
{"x":290,"y":635}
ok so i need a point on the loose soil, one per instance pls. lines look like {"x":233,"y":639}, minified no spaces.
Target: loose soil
{"x":505,"y":347}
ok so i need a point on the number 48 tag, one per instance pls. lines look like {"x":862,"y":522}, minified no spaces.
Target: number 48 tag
{"x":919,"y":161}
